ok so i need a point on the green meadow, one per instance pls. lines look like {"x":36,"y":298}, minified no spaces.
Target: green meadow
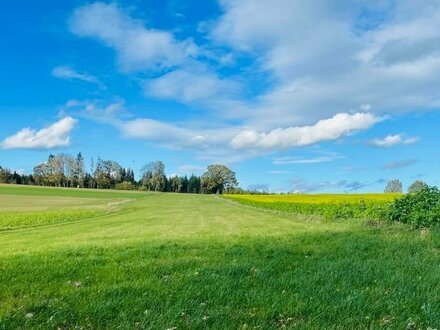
{"x":91,"y":259}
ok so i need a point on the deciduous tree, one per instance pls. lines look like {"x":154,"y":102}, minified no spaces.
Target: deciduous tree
{"x":217,"y":179}
{"x":394,"y":186}
{"x":417,"y":186}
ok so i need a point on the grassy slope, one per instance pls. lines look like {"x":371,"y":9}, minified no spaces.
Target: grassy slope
{"x":20,"y":190}
{"x":23,"y":206}
{"x":192,"y":261}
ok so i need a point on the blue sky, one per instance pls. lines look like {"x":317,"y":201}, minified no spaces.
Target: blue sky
{"x":303,"y":96}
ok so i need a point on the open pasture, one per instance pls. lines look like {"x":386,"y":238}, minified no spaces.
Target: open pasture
{"x":165,"y":261}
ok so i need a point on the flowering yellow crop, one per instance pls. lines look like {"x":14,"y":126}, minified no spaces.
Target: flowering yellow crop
{"x":317,"y":198}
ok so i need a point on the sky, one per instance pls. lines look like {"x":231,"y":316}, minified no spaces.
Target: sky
{"x":294,"y":96}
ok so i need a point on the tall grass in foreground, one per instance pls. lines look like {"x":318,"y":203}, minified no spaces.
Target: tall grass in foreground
{"x":329,"y":206}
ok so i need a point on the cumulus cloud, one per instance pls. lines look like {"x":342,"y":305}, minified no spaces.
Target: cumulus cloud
{"x":53,"y":136}
{"x":339,"y":125}
{"x":137,"y":46}
{"x":392,"y":140}
{"x":65,"y":72}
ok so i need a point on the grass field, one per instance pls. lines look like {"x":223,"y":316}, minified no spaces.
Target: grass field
{"x":164,"y":261}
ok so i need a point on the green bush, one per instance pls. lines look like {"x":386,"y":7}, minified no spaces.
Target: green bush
{"x":420,"y":209}
{"x":125,"y":186}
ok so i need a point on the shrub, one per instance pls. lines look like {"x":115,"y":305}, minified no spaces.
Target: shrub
{"x":420,"y":209}
{"x":125,"y":186}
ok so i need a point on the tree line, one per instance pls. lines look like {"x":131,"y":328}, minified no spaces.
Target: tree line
{"x":396,"y":186}
{"x":69,"y":171}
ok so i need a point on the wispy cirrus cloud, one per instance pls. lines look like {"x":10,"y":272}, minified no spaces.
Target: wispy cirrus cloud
{"x":261,"y":187}
{"x":304,"y":186}
{"x":191,"y":169}
{"x":68,"y":73}
{"x":392,"y":140}
{"x":315,"y":160}
{"x":399,"y":164}
{"x":279,"y":172}
{"x":55,"y":135}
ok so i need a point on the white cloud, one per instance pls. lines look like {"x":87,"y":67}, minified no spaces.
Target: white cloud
{"x":65,"y":72}
{"x":292,"y":35}
{"x":53,"y":136}
{"x":327,"y":57}
{"x":316,"y":160}
{"x":339,"y":125}
{"x":137,"y":46}
{"x":150,"y":129}
{"x":392,"y":140}
{"x":207,"y":142}
{"x":184,"y":78}
{"x":180,"y":136}
{"x":99,"y":111}
{"x":302,"y":61}
{"x":411,"y":140}
{"x":189,"y":86}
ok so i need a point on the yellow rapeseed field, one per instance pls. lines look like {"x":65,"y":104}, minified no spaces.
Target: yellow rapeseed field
{"x":317,"y":198}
